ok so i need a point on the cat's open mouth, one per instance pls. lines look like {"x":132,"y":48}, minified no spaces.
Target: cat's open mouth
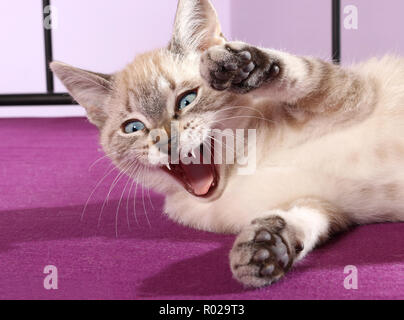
{"x":200,"y":180}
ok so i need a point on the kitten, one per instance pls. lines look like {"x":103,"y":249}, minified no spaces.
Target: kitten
{"x":329,"y":144}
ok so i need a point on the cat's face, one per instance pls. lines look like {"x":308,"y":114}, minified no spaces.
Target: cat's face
{"x":162,"y":91}
{"x":161,"y":96}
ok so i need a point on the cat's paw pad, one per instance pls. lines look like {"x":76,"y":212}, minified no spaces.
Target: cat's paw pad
{"x":235,"y":66}
{"x":262,"y":254}
{"x":226,"y":65}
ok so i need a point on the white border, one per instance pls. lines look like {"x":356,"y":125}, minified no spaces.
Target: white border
{"x":42,"y":112}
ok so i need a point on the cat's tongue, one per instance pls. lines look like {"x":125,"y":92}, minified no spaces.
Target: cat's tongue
{"x":200,"y":177}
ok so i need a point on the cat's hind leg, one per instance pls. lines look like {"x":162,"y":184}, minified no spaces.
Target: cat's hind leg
{"x":267,"y":249}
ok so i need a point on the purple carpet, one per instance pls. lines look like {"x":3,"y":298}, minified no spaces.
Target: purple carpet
{"x":49,"y":169}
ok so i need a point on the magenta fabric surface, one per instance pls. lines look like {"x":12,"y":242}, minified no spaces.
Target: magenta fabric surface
{"x":48,"y":170}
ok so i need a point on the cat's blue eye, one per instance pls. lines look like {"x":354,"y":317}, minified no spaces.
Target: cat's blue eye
{"x":186,"y":100}
{"x":133,"y":126}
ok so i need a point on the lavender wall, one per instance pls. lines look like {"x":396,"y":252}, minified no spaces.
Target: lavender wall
{"x":380,"y":30}
{"x":104,"y":35}
{"x":22,"y":61}
{"x":297,"y":26}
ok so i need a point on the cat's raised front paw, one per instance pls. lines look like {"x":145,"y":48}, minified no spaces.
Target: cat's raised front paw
{"x":263,"y":252}
{"x":238,"y":67}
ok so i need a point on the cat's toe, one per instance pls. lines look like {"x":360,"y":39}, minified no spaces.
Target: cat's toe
{"x":261,"y":254}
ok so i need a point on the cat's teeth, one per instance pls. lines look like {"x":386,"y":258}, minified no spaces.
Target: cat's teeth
{"x":168,"y":167}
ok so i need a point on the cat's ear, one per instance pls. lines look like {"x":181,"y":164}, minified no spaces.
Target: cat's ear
{"x":91,"y":90}
{"x":196,"y":27}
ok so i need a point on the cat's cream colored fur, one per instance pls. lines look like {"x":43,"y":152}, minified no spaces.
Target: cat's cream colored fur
{"x":330,"y":140}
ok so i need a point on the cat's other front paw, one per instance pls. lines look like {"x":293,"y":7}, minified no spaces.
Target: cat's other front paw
{"x":263,"y":252}
{"x":237,"y":67}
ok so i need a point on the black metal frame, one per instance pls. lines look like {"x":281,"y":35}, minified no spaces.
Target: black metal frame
{"x":50,"y":87}
{"x":52,"y":98}
{"x":336,"y":31}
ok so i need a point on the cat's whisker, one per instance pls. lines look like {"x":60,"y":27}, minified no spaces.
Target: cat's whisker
{"x":92,"y":193}
{"x":134,"y":198}
{"x":223,"y":144}
{"x":228,"y":134}
{"x":118,"y":207}
{"x":220,"y":143}
{"x":114,"y":183}
{"x":144,"y":205}
{"x":227,"y":148}
{"x":231,"y":136}
{"x":215,"y":151}
{"x":137,"y":179}
{"x":240,"y":116}
{"x":105,"y":200}
{"x":240,"y":107}
{"x":129,"y":194}
{"x":99,"y":159}
{"x":133,"y":165}
{"x":247,"y":117}
{"x":148,"y":193}
{"x":208,"y":148}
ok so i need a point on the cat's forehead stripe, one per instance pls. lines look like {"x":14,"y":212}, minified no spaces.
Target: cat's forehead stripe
{"x":149,"y":83}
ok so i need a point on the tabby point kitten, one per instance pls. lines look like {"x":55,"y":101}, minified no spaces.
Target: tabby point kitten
{"x":329,"y":141}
